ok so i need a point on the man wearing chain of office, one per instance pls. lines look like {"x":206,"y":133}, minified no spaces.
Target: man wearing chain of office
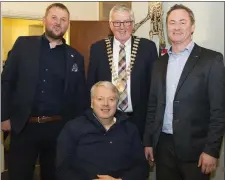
{"x":126,"y":60}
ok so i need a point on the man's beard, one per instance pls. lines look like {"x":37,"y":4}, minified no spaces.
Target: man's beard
{"x":51,"y":34}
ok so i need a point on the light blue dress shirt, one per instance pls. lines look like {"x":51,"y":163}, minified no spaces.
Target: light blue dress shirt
{"x":175,"y":67}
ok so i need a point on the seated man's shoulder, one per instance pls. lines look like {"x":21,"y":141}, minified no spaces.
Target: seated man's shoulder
{"x":76,"y":123}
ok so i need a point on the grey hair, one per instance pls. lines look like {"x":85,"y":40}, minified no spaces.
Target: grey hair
{"x":121,"y":8}
{"x":107,"y":85}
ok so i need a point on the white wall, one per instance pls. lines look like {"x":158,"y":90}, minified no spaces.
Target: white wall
{"x":36,"y":10}
{"x":140,"y":12}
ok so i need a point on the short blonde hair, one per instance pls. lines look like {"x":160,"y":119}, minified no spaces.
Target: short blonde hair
{"x":107,"y":85}
{"x":121,"y":8}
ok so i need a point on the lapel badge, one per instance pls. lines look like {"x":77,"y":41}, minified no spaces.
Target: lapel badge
{"x":74,"y":68}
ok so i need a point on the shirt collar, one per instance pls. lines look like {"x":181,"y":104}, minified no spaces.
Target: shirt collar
{"x":117,"y":43}
{"x":188,"y":48}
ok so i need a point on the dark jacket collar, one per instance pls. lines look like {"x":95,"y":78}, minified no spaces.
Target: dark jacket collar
{"x":43,"y":37}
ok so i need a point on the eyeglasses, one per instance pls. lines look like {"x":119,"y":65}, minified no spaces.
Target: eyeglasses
{"x":118,"y":23}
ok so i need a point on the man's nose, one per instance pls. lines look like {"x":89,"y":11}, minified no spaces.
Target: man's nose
{"x":177,"y":27}
{"x":57,"y":21}
{"x":105,"y":102}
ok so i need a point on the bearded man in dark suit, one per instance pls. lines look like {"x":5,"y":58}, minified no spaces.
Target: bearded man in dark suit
{"x":43,"y":86}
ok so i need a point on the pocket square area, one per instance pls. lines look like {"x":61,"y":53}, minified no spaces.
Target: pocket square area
{"x":74,"y":68}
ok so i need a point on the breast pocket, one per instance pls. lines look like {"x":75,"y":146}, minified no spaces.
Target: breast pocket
{"x":196,"y":82}
{"x":196,"y":76}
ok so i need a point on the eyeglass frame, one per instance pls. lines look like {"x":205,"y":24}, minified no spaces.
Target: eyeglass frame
{"x":122,"y":22}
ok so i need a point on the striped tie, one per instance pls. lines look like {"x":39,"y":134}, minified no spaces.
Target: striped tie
{"x":123,"y":102}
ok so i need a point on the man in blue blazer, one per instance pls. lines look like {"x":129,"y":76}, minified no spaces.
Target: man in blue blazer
{"x":126,"y":61}
{"x":43,"y":86}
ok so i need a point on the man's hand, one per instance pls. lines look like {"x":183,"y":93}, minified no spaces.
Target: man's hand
{"x":208,"y":163}
{"x":149,"y":155}
{"x":6,"y":125}
{"x":106,"y":177}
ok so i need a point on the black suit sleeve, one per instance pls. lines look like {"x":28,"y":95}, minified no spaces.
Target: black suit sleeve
{"x":66,"y":146}
{"x":151,"y":110}
{"x":9,"y":78}
{"x":140,"y":169}
{"x":216,"y":95}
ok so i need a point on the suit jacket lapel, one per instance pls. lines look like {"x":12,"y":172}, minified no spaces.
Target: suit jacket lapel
{"x":164,"y":61}
{"x":35,"y":52}
{"x":191,"y":61}
{"x":110,"y":74}
{"x":133,"y":84}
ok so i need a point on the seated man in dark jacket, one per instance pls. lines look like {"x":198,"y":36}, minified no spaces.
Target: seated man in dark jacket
{"x":102,"y":144}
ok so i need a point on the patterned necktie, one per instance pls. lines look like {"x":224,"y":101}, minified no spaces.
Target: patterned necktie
{"x":123,"y":102}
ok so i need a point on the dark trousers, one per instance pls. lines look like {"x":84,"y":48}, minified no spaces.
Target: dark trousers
{"x":36,"y":140}
{"x":169,"y":167}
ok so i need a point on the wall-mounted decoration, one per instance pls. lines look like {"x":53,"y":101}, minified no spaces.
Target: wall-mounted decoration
{"x":155,"y":15}
{"x":105,"y":7}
